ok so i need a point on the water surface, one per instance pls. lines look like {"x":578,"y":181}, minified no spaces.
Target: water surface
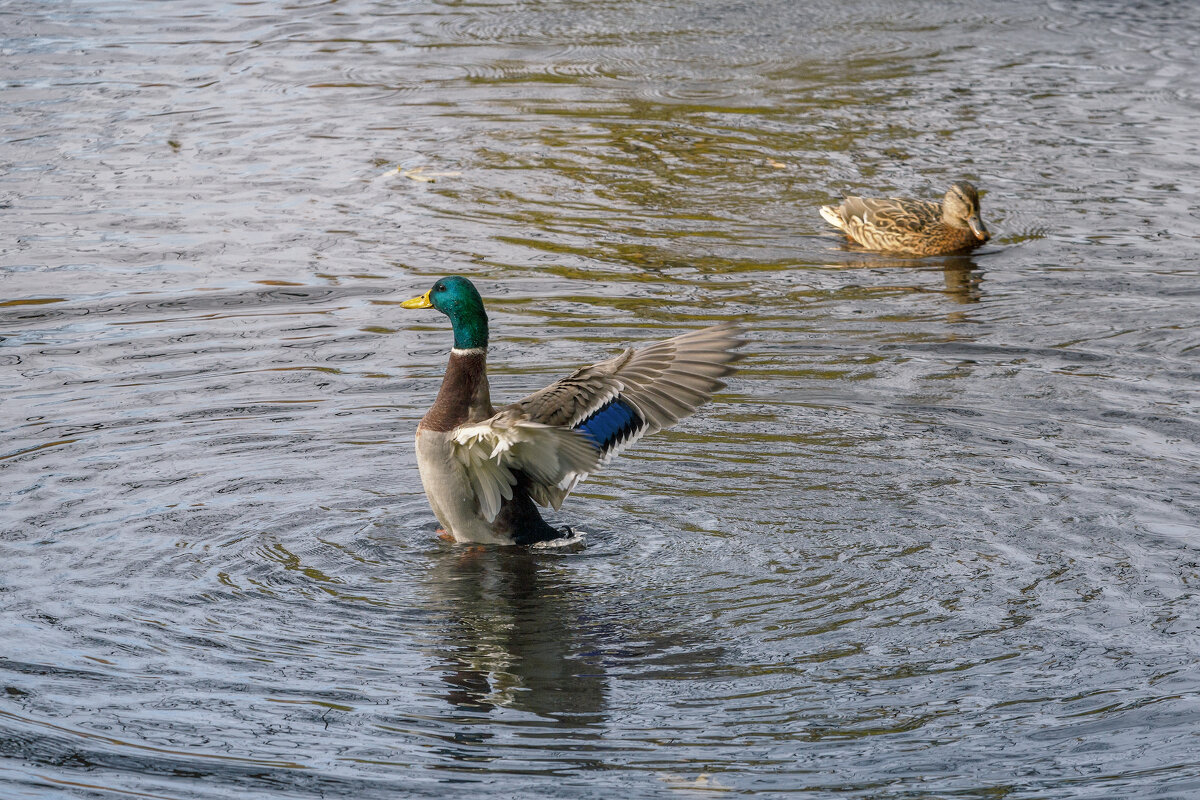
{"x":937,"y":539}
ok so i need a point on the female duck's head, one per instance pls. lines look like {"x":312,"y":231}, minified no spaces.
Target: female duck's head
{"x":960,"y":208}
{"x":457,"y":298}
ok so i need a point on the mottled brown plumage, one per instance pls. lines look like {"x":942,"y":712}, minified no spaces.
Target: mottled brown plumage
{"x":912,"y":227}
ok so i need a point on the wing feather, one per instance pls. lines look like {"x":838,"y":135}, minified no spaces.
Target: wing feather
{"x":561,"y":434}
{"x":662,"y":383}
{"x":860,"y":216}
{"x":496,"y":448}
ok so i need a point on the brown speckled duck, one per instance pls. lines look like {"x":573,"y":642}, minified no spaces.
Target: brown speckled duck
{"x":912,"y":227}
{"x":485,"y":470}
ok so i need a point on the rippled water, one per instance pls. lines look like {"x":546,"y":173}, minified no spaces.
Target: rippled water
{"x":938,"y":538}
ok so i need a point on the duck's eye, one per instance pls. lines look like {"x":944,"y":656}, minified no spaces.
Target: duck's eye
{"x":441,"y":287}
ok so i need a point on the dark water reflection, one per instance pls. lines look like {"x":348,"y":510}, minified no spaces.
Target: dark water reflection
{"x":517,"y":640}
{"x":938,"y":539}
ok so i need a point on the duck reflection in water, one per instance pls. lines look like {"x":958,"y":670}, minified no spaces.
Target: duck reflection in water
{"x":963,"y":279}
{"x":961,"y":276}
{"x":516,"y":636}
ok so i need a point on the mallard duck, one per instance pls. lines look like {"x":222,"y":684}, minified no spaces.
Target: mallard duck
{"x":485,"y":470}
{"x":912,"y":227}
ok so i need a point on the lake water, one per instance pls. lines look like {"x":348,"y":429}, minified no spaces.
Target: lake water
{"x":940,"y":538}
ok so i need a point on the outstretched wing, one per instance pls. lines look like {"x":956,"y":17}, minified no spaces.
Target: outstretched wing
{"x":492,"y":450}
{"x":616,"y":402}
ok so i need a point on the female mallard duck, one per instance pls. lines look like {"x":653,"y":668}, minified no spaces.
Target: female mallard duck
{"x":912,"y":227}
{"x":483,"y":469}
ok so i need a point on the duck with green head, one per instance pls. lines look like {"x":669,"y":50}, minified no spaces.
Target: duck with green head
{"x":906,"y":226}
{"x":486,"y":470}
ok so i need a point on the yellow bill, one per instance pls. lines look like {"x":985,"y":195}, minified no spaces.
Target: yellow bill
{"x":418,"y":302}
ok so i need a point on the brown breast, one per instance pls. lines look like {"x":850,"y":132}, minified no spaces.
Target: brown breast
{"x":463,"y":396}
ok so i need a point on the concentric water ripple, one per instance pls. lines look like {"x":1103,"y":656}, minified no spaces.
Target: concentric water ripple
{"x":936,"y":539}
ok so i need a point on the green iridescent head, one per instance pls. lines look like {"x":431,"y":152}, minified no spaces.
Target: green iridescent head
{"x":457,"y":298}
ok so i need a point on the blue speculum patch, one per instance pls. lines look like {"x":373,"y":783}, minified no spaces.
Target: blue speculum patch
{"x":611,"y":424}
